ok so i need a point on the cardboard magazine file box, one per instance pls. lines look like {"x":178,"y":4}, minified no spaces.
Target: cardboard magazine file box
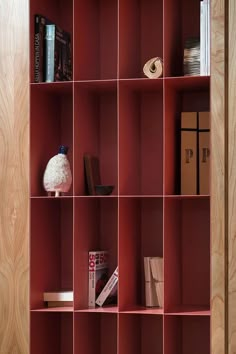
{"x":189,"y":153}
{"x":204,"y":152}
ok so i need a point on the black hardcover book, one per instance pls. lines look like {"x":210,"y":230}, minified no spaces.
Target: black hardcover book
{"x":58,"y":64}
{"x":39,"y":34}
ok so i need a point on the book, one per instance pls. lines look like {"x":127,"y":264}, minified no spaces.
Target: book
{"x":192,"y":57}
{"x":109,"y":290}
{"x":189,"y":153}
{"x":92,"y":173}
{"x":39,"y":33}
{"x":98,"y":275}
{"x":58,"y":65}
{"x":58,"y":296}
{"x":150,"y":291}
{"x":156,"y":265}
{"x":60,"y":304}
{"x":204,"y":152}
{"x":204,"y":37}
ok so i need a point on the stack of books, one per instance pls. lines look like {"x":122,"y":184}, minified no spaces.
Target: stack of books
{"x":192,"y":57}
{"x":205,"y":37}
{"x":154,"y":281}
{"x":197,"y":50}
{"x":58,"y":298}
{"x":195,"y":153}
{"x":52,"y":52}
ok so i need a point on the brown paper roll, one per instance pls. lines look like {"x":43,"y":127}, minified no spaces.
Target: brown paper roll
{"x":153,"y":68}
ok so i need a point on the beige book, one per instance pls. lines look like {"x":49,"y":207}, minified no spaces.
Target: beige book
{"x":59,"y":303}
{"x":204,"y":152}
{"x":58,"y":296}
{"x":160,"y":293}
{"x":151,"y":294}
{"x":189,"y":153}
{"x":156,"y":265}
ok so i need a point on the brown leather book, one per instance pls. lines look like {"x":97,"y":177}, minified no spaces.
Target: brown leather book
{"x":92,"y":173}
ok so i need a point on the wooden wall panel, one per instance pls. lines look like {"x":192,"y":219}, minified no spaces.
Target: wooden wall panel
{"x":14,"y":174}
{"x":232,"y":176}
{"x":218,"y":180}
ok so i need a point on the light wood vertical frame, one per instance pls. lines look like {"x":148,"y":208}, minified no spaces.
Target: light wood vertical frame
{"x":14,"y":176}
{"x":232,"y":176}
{"x":219,"y":172}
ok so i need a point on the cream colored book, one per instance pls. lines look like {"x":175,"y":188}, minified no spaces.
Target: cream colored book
{"x":156,"y":265}
{"x":58,"y":296}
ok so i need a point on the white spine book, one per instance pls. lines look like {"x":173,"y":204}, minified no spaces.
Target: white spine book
{"x":58,"y":296}
{"x":109,"y":288}
{"x":201,"y":39}
{"x":209,"y":38}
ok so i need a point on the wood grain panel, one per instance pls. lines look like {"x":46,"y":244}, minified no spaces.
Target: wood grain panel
{"x":14,"y":172}
{"x":232,"y":177}
{"x":218,"y":179}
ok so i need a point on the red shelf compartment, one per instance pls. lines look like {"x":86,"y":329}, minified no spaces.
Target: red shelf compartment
{"x":140,"y":35}
{"x":140,"y":334}
{"x":51,"y":126}
{"x":95,"y":131}
{"x":59,"y":12}
{"x":186,"y":334}
{"x":180,"y":95}
{"x":140,"y":235}
{"x":186,"y":254}
{"x":95,"y":229}
{"x":95,"y":333}
{"x":95,"y":39}
{"x":179,"y":25}
{"x":141,"y":137}
{"x":51,"y":333}
{"x":51,"y":251}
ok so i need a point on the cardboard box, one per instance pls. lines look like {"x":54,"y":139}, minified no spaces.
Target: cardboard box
{"x":189,"y":153}
{"x":204,"y":152}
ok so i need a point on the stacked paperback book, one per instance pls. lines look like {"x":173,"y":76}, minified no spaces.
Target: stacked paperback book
{"x":192,"y":57}
{"x":154,"y":281}
{"x":197,"y":51}
{"x":58,"y":298}
{"x":102,"y":289}
{"x":52,"y":52}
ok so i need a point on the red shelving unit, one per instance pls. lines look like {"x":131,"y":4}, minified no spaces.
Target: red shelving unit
{"x":132,"y":124}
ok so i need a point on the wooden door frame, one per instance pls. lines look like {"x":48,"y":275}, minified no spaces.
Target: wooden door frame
{"x":223,"y":177}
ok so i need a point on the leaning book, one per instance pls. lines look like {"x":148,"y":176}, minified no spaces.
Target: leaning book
{"x":110,"y":290}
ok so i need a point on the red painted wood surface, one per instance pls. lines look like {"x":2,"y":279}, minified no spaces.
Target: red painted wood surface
{"x":132,"y":124}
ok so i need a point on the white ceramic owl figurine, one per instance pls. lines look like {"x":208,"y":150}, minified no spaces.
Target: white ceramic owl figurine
{"x":57,"y":176}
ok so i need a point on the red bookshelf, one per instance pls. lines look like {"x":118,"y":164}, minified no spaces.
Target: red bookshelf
{"x":132,"y":124}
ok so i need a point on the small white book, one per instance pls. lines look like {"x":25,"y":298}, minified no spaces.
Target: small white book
{"x":58,"y":296}
{"x":109,"y":289}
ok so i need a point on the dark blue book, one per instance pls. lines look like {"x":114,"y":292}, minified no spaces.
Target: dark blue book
{"x":39,"y":34}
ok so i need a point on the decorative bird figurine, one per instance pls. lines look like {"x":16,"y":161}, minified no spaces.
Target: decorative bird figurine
{"x":57,"y":176}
